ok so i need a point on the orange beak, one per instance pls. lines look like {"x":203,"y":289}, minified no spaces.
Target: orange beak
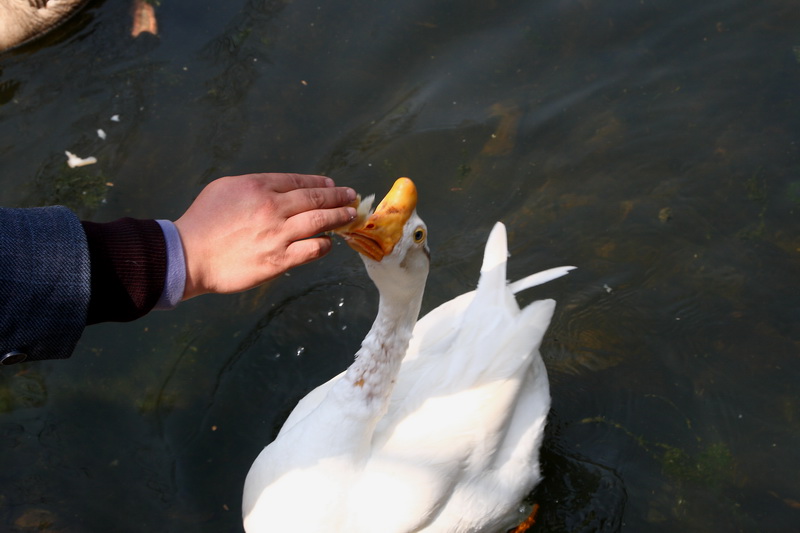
{"x":376,"y":235}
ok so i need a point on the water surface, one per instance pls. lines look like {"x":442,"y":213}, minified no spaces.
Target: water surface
{"x":653,"y":144}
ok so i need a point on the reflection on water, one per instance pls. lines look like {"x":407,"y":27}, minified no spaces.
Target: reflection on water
{"x":653,"y":144}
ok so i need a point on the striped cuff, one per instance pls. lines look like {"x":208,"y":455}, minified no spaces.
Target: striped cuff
{"x":176,"y":268}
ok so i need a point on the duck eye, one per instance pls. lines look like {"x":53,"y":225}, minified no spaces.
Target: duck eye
{"x":419,"y":235}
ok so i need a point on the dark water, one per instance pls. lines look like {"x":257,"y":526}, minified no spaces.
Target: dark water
{"x":654,"y":144}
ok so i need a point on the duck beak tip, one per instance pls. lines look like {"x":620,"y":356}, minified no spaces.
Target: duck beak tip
{"x":376,"y":235}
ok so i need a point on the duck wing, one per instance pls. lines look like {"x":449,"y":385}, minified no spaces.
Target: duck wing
{"x":438,"y":331}
{"x":458,"y":448}
{"x":478,"y":336}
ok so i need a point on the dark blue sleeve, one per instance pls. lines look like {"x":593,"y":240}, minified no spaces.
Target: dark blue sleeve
{"x":45,"y":283}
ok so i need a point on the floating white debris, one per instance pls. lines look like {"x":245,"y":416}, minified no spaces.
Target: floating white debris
{"x":75,"y":161}
{"x":607,"y":288}
{"x":114,"y":118}
{"x":101,"y":134}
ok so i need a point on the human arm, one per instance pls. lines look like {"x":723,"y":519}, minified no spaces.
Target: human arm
{"x":240,"y":232}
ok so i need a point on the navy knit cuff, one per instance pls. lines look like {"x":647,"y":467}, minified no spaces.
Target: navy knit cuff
{"x":128,"y":268}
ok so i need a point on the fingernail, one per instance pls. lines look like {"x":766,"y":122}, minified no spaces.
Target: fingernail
{"x":351,"y":195}
{"x":351,"y":212}
{"x":329,"y":182}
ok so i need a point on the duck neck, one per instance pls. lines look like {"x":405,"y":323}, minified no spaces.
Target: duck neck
{"x":372,"y":375}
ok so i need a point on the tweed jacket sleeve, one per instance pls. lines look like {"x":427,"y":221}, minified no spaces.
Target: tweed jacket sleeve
{"x":45,"y":283}
{"x":58,"y":275}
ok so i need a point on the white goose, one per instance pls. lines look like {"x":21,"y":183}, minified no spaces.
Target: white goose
{"x":437,"y":424}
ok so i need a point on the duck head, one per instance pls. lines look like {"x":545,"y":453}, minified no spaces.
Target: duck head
{"x":392,"y":240}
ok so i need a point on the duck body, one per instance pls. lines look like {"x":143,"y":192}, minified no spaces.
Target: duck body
{"x":450,"y":444}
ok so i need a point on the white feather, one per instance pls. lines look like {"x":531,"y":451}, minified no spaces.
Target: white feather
{"x":456,"y":449}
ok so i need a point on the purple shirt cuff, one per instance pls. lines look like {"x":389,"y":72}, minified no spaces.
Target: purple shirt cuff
{"x":176,"y":268}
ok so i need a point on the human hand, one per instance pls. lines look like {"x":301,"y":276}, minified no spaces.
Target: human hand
{"x":244,"y":230}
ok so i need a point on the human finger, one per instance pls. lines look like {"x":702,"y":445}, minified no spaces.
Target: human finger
{"x":307,"y":250}
{"x":300,"y":200}
{"x":289,"y":182}
{"x":309,"y":223}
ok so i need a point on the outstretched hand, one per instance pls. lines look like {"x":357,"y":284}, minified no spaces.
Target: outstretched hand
{"x":244,"y":230}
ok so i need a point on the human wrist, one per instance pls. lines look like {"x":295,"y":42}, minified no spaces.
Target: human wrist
{"x":192,"y":276}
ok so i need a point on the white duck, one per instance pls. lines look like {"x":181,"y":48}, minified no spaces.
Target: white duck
{"x":437,"y":424}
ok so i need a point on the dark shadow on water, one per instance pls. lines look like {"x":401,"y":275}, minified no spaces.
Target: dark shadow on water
{"x":577,"y":495}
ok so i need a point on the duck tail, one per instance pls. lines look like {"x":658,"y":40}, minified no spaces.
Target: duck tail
{"x":495,"y":255}
{"x":495,"y":259}
{"x":539,"y":278}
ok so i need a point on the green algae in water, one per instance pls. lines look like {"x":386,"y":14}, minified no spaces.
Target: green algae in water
{"x":793,"y":192}
{"x":712,"y":466}
{"x":81,"y":189}
{"x":21,"y":391}
{"x":756,"y":190}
